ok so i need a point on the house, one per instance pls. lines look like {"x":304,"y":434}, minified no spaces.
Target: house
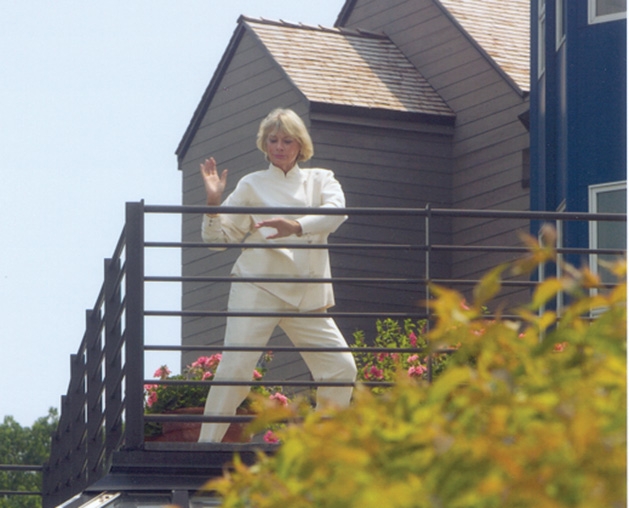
{"x":411,"y":104}
{"x":579,"y":114}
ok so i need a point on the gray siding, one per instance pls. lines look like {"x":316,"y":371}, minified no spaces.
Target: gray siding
{"x":488,"y":140}
{"x":249,"y":88}
{"x":380,"y":163}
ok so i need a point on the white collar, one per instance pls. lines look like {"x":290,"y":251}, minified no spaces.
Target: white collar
{"x":295,"y":171}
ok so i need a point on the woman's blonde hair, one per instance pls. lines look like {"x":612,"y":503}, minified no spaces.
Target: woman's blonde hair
{"x":289,"y":123}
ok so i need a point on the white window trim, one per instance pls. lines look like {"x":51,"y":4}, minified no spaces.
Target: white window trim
{"x":593,"y":18}
{"x":541,"y":37}
{"x":560,"y":21}
{"x":593,"y":192}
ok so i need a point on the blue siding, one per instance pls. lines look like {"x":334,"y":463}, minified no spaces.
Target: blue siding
{"x":578,"y":111}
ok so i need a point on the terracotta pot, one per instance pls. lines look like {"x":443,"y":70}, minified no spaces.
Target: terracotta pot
{"x":189,"y":431}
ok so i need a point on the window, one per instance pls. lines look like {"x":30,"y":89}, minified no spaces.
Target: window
{"x":600,"y":11}
{"x":541,"y":37}
{"x":560,"y":22}
{"x":607,"y":198}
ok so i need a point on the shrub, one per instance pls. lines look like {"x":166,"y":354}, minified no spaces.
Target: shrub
{"x":536,"y":419}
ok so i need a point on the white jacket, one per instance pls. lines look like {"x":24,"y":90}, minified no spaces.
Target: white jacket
{"x":271,"y":187}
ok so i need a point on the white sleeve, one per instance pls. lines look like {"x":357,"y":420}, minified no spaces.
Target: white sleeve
{"x":227,"y":228}
{"x":331,"y":196}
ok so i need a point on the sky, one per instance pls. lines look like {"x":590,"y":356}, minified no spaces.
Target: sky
{"x":94,"y":99}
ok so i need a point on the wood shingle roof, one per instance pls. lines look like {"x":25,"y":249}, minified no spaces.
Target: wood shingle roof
{"x":502,"y":29}
{"x":348,"y":68}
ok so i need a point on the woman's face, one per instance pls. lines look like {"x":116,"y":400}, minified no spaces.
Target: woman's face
{"x":282,"y":150}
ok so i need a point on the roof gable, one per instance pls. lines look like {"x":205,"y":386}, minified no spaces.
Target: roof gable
{"x":499,"y":28}
{"x":348,"y":68}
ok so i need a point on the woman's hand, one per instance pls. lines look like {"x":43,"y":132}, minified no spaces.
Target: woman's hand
{"x":214,"y":184}
{"x":284,"y":227}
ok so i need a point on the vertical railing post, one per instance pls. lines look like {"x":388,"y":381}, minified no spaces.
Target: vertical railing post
{"x":427,"y":274}
{"x":76,"y":434}
{"x":93,"y":350}
{"x":113,"y":356}
{"x":134,"y":326}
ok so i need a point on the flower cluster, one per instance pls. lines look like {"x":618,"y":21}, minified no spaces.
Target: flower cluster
{"x":384,"y":366}
{"x":163,"y":398}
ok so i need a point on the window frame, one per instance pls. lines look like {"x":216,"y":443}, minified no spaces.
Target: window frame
{"x":561,"y":21}
{"x":593,"y":193}
{"x":541,"y":37}
{"x":594,"y":19}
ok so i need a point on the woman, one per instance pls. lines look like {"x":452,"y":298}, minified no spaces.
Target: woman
{"x":285,"y":141}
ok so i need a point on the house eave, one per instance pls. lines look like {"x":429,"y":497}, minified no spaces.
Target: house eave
{"x":407,"y":120}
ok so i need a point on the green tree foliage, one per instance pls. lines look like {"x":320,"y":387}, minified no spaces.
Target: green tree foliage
{"x":24,"y":446}
{"x":528,"y":413}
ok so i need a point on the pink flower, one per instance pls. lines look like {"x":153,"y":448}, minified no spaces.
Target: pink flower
{"x":151,"y":399}
{"x":207,"y":375}
{"x":206,"y":362}
{"x":279,"y":397}
{"x":270,"y":437}
{"x":416,"y":371}
{"x":373,"y":372}
{"x":413,"y":339}
{"x":163,"y":372}
{"x":256,"y":374}
{"x":412,"y":358}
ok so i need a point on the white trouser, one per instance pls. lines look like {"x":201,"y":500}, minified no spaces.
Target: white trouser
{"x":256,"y":331}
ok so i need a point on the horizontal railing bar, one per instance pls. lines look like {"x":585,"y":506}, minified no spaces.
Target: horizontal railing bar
{"x":309,"y":246}
{"x":370,"y":280}
{"x":361,"y":246}
{"x":100,"y":300}
{"x":117,"y":317}
{"x":302,"y":349}
{"x":218,"y":313}
{"x":21,"y":467}
{"x":403,"y":247}
{"x":224,"y":313}
{"x":498,"y":248}
{"x":20,"y":493}
{"x":412,"y":212}
{"x":165,"y":418}
{"x":120,"y":246}
{"x":341,"y":280}
{"x":350,"y":280}
{"x":283,"y":382}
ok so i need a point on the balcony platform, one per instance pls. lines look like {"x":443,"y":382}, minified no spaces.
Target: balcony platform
{"x":172,"y":467}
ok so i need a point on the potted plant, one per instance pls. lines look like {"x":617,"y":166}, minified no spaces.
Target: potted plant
{"x":190,"y":399}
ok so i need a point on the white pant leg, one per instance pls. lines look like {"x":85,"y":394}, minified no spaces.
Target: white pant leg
{"x":238,"y":365}
{"x":324,"y":366}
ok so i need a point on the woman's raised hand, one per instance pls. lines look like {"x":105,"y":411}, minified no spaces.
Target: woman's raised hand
{"x":214,"y":184}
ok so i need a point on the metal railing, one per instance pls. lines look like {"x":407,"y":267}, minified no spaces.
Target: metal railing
{"x":103,"y":410}
{"x":21,"y":468}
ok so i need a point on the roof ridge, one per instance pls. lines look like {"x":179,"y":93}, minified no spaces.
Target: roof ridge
{"x":356,"y":32}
